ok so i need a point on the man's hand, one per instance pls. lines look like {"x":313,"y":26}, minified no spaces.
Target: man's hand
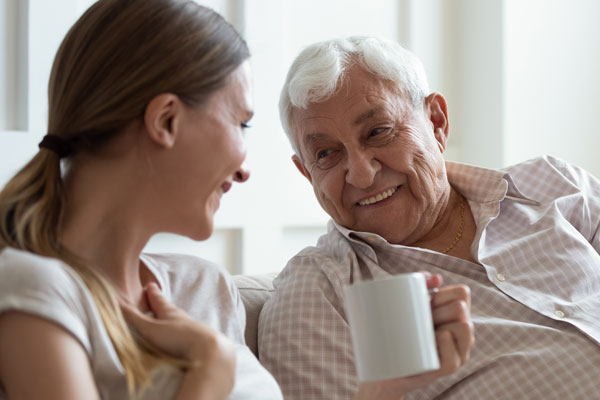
{"x":454,"y":336}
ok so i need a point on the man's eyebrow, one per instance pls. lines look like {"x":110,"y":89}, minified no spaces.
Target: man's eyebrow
{"x":312,"y":137}
{"x":366,"y":115}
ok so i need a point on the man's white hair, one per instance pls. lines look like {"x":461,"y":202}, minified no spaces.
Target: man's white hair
{"x":319,"y":70}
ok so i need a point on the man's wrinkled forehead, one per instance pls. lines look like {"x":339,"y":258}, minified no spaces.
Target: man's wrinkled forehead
{"x":306,"y":122}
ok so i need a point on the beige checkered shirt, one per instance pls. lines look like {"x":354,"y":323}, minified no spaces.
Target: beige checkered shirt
{"x":535,"y":292}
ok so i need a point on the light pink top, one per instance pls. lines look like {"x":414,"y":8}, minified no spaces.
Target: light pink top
{"x":535,"y":292}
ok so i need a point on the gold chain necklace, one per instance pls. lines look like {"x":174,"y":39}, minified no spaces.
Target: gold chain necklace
{"x":460,"y":228}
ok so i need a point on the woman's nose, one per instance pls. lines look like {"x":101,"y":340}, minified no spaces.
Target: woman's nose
{"x":242,"y":174}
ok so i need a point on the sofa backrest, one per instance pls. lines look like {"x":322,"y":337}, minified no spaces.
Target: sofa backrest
{"x":254,"y":290}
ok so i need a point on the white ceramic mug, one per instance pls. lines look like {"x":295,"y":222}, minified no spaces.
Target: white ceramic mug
{"x":391,"y":326}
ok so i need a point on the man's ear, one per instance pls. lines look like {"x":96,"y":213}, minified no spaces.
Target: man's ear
{"x":160,"y":119}
{"x":437,"y":112}
{"x":300,"y":165}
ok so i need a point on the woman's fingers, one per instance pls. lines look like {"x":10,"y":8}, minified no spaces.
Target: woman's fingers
{"x":135,"y":318}
{"x":159,"y":305}
{"x":171,"y":329}
{"x":147,"y":327}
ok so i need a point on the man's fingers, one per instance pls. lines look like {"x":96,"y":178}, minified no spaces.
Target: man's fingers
{"x":451,"y":312}
{"x":462,"y":335}
{"x":456,"y":311}
{"x":433,"y":281}
{"x":452,"y":293}
{"x":450,"y":360}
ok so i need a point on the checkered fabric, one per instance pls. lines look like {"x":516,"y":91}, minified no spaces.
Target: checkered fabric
{"x":535,"y":292}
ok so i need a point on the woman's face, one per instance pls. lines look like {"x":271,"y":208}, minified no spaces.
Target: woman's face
{"x":210,"y":154}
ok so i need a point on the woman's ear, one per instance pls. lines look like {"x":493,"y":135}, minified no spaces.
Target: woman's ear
{"x":160,"y":119}
{"x":437,"y":112}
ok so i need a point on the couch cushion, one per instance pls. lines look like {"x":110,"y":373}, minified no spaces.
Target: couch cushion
{"x":254,"y":291}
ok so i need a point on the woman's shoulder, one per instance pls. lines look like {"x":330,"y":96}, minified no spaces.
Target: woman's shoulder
{"x":186,"y":277}
{"x":45,"y":287}
{"x":21,"y":269}
{"x":185,"y":269}
{"x":203,"y":289}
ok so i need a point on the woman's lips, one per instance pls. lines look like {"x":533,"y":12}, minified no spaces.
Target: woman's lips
{"x":225,"y":187}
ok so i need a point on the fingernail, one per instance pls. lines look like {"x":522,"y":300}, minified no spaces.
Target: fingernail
{"x":432,"y":292}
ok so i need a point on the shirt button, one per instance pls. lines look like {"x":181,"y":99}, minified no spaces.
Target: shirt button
{"x":559,"y":314}
{"x":500,"y":277}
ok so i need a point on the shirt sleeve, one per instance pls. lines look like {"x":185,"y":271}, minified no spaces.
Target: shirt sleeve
{"x":45,"y":288}
{"x":304,"y":339}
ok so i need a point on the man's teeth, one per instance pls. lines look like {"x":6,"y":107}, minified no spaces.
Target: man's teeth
{"x":379,"y":197}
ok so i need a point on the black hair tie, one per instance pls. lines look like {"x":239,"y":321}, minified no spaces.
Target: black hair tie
{"x":57,"y":144}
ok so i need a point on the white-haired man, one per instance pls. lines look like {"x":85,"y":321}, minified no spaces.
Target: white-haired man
{"x":369,"y":136}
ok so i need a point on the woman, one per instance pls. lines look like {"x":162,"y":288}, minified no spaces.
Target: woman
{"x":147,"y":103}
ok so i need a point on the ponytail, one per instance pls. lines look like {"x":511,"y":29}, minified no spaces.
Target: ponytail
{"x":31,"y":206}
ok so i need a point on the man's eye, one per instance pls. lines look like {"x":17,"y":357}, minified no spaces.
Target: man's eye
{"x":377,"y":131}
{"x":325,"y":159}
{"x":323,"y":154}
{"x":381,"y":136}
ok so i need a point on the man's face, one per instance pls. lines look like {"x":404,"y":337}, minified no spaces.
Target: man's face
{"x":373,"y":159}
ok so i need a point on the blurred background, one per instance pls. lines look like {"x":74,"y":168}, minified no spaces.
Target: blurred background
{"x":520,"y":77}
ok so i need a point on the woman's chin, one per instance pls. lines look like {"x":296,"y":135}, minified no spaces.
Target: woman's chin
{"x":202,"y":230}
{"x":205,"y":232}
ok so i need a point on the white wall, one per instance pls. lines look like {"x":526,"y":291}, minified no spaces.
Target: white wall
{"x":31,"y":31}
{"x":552,"y":80}
{"x":473,"y":80}
{"x":520,"y":78}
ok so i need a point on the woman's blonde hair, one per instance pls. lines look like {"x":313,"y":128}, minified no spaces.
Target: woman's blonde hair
{"x":117,"y":57}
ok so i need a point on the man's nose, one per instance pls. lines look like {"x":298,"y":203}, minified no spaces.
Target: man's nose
{"x":361,"y":169}
{"x":242,"y":174}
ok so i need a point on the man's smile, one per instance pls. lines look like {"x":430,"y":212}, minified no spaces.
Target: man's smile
{"x":379,"y":197}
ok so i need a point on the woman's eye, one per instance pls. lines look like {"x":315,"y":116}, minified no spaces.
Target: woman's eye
{"x":245,"y":125}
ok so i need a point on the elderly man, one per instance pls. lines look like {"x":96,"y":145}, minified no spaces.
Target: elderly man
{"x":369,"y":137}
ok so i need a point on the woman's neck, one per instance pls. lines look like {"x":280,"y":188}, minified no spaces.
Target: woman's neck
{"x":104,"y":224}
